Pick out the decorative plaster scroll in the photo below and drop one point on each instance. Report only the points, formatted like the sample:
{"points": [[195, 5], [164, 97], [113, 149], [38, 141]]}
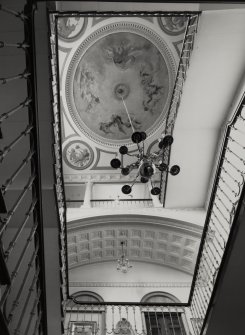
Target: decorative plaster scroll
{"points": [[130, 284]]}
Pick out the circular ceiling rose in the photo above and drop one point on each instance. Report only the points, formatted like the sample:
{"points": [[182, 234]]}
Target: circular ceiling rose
{"points": [[78, 155], [120, 62]]}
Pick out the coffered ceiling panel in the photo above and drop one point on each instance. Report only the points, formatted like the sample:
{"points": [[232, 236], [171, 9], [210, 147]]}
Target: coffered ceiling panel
{"points": [[173, 244]]}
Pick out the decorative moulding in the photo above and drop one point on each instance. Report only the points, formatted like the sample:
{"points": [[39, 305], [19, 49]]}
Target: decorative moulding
{"points": [[129, 284]]}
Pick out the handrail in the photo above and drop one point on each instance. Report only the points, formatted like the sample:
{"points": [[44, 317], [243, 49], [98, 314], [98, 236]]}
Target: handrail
{"points": [[57, 167]]}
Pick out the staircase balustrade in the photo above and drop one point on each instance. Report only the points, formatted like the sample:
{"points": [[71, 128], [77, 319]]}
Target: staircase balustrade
{"points": [[221, 217], [22, 274], [110, 318]]}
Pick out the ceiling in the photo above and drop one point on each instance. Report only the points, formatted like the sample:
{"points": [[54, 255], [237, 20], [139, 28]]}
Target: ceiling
{"points": [[104, 59], [107, 60], [165, 242], [95, 122]]}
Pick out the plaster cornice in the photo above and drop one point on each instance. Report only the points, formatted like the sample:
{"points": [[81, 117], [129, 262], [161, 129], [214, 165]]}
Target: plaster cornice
{"points": [[130, 284]]}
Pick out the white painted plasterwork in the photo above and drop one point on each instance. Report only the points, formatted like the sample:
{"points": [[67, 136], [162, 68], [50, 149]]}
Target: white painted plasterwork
{"points": [[130, 284]]}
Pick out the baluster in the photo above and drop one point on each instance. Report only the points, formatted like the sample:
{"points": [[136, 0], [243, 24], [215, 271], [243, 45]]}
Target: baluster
{"points": [[31, 289], [38, 322], [220, 223], [234, 141], [224, 205], [105, 328], [7, 149], [212, 244], [19, 15], [18, 264], [228, 186], [225, 195], [154, 308], [68, 329], [164, 321], [198, 313], [113, 328], [16, 301], [10, 180], [193, 320], [234, 167], [171, 320], [199, 306], [33, 312], [149, 320], [182, 330], [231, 177], [238, 157], [22, 45], [194, 313], [23, 75], [135, 325], [222, 247], [18, 201], [142, 321], [98, 327]]}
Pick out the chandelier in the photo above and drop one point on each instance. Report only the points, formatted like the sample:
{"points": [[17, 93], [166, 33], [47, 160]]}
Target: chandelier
{"points": [[123, 262], [146, 164]]}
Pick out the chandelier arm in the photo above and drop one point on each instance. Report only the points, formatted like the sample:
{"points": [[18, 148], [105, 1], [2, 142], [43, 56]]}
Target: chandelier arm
{"points": [[128, 115], [135, 179], [139, 148], [132, 155]]}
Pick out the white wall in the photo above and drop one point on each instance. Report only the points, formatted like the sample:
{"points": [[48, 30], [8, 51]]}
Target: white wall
{"points": [[102, 191], [113, 285], [217, 66]]}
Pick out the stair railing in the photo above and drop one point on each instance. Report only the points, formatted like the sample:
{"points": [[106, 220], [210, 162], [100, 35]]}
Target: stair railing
{"points": [[22, 271], [222, 213]]}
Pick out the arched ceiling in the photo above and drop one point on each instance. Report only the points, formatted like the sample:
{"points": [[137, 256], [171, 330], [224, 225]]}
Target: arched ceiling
{"points": [[153, 240]]}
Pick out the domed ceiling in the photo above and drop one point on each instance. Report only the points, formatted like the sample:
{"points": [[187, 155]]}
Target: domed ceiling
{"points": [[121, 66], [111, 67]]}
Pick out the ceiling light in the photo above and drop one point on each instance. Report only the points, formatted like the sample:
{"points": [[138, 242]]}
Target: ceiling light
{"points": [[123, 262], [146, 164]]}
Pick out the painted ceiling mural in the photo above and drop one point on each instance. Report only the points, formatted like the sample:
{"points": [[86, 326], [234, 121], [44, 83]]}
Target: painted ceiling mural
{"points": [[109, 67]]}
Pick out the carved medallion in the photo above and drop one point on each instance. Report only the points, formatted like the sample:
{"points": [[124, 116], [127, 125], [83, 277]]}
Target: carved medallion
{"points": [[78, 155], [173, 25], [69, 28]]}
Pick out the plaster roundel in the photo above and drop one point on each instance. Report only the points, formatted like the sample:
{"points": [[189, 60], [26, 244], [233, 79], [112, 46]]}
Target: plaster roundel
{"points": [[123, 61]]}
